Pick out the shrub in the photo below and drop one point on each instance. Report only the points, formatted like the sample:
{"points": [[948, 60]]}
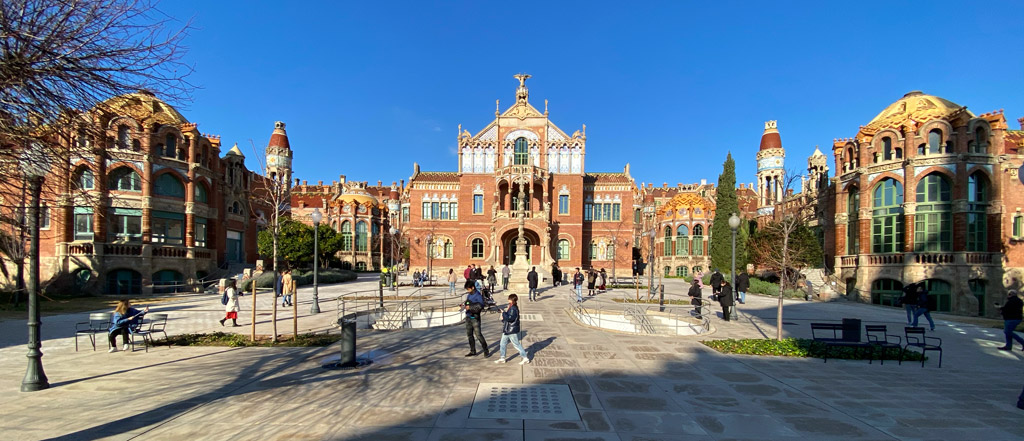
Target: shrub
{"points": [[239, 340], [799, 347], [303, 278], [758, 286]]}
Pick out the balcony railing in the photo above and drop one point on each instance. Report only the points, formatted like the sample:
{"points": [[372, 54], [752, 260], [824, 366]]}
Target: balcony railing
{"points": [[849, 260], [122, 250], [949, 258], [203, 254], [934, 258], [170, 252], [80, 249]]}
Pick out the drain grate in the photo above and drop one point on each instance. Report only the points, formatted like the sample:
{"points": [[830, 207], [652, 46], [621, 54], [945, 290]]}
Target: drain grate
{"points": [[531, 317], [524, 401]]}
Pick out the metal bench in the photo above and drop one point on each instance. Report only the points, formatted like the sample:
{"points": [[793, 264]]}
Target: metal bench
{"points": [[831, 335], [880, 339], [917, 339], [99, 323]]}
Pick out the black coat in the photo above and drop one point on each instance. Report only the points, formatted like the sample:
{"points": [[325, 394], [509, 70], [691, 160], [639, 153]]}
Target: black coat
{"points": [[1013, 309], [742, 282], [716, 280], [725, 297], [696, 293], [532, 278]]}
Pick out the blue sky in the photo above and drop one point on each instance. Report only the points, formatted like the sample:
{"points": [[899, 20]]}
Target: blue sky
{"points": [[368, 88]]}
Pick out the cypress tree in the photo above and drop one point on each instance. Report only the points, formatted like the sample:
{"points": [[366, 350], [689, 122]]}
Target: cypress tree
{"points": [[726, 204]]}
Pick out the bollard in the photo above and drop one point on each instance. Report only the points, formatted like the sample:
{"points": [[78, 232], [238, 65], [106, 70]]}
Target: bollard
{"points": [[348, 344], [661, 298]]}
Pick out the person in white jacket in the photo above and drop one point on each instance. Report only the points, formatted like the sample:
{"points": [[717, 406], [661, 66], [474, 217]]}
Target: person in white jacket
{"points": [[227, 286]]}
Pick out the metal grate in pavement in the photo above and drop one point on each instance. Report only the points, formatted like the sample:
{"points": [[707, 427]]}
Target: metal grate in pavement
{"points": [[531, 317], [524, 401]]}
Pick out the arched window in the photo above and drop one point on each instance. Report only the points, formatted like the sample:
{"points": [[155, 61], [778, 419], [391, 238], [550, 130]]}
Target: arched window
{"points": [[563, 249], [887, 217], [887, 149], [477, 247], [680, 271], [124, 140], [886, 291], [935, 141], [593, 250], [124, 281], [169, 185], [84, 179], [609, 252], [636, 216], [977, 287], [682, 240], [346, 236], [201, 195], [977, 207], [933, 229], [698, 240], [938, 295], [522, 152], [170, 146], [853, 221], [124, 179], [980, 144], [361, 242], [449, 249], [167, 281]]}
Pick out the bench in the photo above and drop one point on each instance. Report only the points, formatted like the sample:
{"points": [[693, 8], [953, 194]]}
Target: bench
{"points": [[917, 339], [831, 335]]}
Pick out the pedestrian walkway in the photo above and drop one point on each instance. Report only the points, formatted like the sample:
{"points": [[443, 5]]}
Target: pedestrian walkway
{"points": [[420, 387]]}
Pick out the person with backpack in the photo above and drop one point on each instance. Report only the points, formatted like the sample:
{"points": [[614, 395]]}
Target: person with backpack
{"points": [[1012, 312], [510, 329], [922, 306], [230, 301], [492, 278], [474, 306], [556, 274], [591, 281]]}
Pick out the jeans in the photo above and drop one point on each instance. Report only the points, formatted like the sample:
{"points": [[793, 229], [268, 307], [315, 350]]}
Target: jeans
{"points": [[451, 288], [473, 333], [910, 312], [922, 310], [1008, 327], [504, 283], [579, 293], [515, 342], [533, 293], [743, 296], [287, 299]]}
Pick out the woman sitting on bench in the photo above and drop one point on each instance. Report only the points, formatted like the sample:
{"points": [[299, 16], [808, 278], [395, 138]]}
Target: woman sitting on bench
{"points": [[125, 317]]}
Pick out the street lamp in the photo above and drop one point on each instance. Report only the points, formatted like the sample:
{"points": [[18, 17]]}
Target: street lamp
{"points": [[394, 276], [734, 223], [34, 165], [430, 252], [317, 217], [650, 259]]}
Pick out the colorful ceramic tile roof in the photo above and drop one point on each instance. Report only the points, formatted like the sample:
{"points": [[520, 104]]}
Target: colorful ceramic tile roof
{"points": [[688, 201], [917, 106]]}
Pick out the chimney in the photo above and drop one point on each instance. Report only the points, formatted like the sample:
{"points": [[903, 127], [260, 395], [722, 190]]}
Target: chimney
{"points": [[320, 183], [305, 182], [341, 179], [379, 183], [703, 182], [742, 186], [296, 182], [1021, 122]]}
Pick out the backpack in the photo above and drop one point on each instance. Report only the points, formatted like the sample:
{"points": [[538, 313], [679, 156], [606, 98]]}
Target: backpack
{"points": [[224, 298]]}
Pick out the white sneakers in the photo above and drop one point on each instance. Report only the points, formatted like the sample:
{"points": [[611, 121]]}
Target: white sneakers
{"points": [[112, 350], [499, 360], [502, 360], [525, 361], [125, 347]]}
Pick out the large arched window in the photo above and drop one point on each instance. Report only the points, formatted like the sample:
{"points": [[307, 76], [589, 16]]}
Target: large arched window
{"points": [[563, 249], [935, 141], [167, 281], [977, 206], [852, 221], [361, 239], [886, 291], [667, 246], [124, 281], [346, 236], [933, 229], [887, 217], [977, 287], [84, 179], [477, 248], [125, 179], [682, 240], [449, 249], [593, 251], [698, 240], [522, 152], [681, 271], [124, 140], [168, 185], [201, 195]]}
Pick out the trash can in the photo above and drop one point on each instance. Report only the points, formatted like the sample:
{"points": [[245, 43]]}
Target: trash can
{"points": [[851, 330]]}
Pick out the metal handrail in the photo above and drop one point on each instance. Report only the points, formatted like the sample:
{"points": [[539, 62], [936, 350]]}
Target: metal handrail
{"points": [[395, 311]]}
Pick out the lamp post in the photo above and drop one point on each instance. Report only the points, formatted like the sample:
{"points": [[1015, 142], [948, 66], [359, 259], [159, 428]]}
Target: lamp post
{"points": [[734, 223], [34, 164], [394, 275], [430, 253], [650, 273], [317, 217]]}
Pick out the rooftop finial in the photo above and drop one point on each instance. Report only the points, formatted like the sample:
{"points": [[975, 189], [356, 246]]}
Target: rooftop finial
{"points": [[522, 93], [771, 126]]}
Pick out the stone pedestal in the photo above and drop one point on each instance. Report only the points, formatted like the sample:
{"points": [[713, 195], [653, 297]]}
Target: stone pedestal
{"points": [[517, 282]]}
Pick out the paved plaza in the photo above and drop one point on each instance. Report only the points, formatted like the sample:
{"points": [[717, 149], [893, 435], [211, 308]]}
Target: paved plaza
{"points": [[421, 387]]}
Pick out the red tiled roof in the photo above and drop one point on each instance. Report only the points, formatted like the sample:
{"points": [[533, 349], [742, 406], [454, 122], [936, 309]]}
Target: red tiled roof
{"points": [[771, 141], [437, 177], [606, 178]]}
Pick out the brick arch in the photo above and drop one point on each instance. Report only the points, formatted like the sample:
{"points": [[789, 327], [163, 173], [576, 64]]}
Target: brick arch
{"points": [[474, 235], [885, 175], [126, 120], [945, 172], [569, 237], [945, 126], [876, 139], [120, 164], [184, 179], [974, 123], [994, 191]]}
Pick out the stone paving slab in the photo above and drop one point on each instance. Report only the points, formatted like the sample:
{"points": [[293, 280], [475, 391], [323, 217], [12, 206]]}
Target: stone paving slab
{"points": [[420, 386]]}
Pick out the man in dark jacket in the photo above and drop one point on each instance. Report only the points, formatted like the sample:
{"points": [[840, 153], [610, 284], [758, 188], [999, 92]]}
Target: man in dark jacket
{"points": [[716, 282], [556, 275], [695, 295], [1012, 311], [577, 285], [742, 285], [474, 306], [923, 306], [725, 299], [532, 278]]}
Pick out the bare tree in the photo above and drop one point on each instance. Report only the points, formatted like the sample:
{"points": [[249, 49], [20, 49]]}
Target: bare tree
{"points": [[788, 216], [270, 200]]}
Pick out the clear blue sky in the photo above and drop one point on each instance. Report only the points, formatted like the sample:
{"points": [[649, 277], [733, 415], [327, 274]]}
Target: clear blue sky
{"points": [[367, 88]]}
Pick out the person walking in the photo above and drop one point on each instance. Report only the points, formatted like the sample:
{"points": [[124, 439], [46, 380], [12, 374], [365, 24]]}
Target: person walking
{"points": [[478, 278], [591, 281], [1012, 313], [716, 281], [452, 278], [909, 301], [725, 299], [510, 329], [287, 287], [231, 307], [602, 280], [474, 306], [742, 285], [695, 294], [492, 278], [505, 274], [468, 272], [922, 306], [125, 317], [577, 285], [531, 277], [556, 274]]}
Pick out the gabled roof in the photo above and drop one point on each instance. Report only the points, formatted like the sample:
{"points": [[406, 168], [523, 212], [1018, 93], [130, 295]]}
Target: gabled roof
{"points": [[437, 177]]}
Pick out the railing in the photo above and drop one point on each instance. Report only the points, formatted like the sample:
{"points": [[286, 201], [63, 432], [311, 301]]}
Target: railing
{"points": [[934, 258], [170, 252], [643, 319], [849, 260], [122, 250], [885, 259], [79, 249], [979, 258], [399, 314], [203, 254]]}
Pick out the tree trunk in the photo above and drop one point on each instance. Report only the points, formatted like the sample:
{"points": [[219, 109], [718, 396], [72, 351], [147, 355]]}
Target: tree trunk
{"points": [[782, 286], [273, 283]]}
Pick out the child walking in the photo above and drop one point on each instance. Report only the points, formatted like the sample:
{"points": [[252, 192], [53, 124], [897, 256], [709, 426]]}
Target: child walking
{"points": [[510, 330]]}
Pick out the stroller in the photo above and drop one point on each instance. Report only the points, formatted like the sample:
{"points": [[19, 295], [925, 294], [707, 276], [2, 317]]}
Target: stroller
{"points": [[488, 299]]}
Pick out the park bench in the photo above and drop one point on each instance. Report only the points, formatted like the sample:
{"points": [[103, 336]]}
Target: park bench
{"points": [[99, 323], [832, 335], [880, 339], [917, 339]]}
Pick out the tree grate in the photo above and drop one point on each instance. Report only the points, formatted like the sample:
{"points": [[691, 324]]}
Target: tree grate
{"points": [[524, 401]]}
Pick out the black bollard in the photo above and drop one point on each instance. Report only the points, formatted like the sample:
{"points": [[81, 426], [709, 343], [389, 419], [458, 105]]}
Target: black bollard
{"points": [[661, 298], [348, 344]]}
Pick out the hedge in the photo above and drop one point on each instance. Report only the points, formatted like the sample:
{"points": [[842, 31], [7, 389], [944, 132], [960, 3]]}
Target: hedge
{"points": [[303, 278], [799, 347]]}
